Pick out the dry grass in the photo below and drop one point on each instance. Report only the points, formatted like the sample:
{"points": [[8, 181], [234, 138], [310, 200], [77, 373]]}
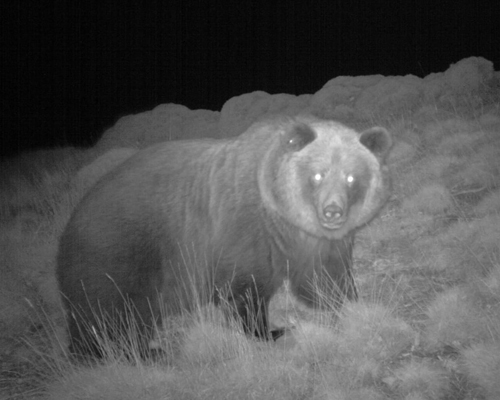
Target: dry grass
{"points": [[421, 378], [481, 363], [455, 320], [432, 199]]}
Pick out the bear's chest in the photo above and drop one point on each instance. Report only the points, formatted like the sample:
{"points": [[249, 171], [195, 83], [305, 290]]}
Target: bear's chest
{"points": [[305, 252]]}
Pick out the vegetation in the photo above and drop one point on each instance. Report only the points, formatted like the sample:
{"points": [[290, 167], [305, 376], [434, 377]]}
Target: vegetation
{"points": [[428, 271]]}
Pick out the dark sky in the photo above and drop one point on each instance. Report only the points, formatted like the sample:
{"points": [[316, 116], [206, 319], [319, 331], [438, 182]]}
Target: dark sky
{"points": [[71, 68]]}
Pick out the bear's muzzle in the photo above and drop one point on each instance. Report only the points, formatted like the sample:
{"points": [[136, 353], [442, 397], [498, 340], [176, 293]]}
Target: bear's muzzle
{"points": [[332, 216]]}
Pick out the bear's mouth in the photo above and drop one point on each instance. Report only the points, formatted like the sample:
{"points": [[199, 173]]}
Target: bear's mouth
{"points": [[332, 225]]}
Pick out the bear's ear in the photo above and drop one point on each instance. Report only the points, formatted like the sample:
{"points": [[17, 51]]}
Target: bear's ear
{"points": [[298, 136], [377, 140]]}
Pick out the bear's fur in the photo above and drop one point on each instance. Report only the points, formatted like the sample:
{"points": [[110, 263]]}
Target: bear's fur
{"points": [[190, 220]]}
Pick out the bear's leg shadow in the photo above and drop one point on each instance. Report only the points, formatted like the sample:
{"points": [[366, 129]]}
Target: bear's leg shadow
{"points": [[249, 306]]}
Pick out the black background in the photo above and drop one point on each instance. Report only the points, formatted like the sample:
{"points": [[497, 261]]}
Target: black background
{"points": [[71, 68]]}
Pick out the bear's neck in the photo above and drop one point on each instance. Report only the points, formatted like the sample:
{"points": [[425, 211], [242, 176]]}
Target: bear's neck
{"points": [[291, 239]]}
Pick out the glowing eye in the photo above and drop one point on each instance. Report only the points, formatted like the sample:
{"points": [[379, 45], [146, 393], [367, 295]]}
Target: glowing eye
{"points": [[318, 177], [350, 179]]}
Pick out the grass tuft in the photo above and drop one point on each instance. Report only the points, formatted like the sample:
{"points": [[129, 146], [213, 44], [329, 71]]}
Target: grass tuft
{"points": [[421, 378], [113, 381], [481, 364], [432, 199], [455, 320]]}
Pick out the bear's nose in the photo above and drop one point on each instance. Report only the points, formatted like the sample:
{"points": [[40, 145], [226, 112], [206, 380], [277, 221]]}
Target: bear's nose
{"points": [[332, 211]]}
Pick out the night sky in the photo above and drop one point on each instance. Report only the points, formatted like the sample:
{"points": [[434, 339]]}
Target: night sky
{"points": [[71, 68]]}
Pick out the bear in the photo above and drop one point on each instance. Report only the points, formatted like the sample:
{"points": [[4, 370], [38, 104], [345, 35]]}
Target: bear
{"points": [[191, 221]]}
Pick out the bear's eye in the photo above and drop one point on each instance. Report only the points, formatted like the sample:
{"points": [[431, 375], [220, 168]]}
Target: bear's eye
{"points": [[318, 177], [349, 179]]}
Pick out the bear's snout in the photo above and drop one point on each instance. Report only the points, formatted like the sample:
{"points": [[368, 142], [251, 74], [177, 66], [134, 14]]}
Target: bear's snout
{"points": [[332, 216]]}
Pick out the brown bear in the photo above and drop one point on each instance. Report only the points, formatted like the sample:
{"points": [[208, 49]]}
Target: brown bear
{"points": [[189, 221]]}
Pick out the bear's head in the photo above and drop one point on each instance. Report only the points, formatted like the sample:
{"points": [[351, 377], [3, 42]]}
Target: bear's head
{"points": [[323, 177]]}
